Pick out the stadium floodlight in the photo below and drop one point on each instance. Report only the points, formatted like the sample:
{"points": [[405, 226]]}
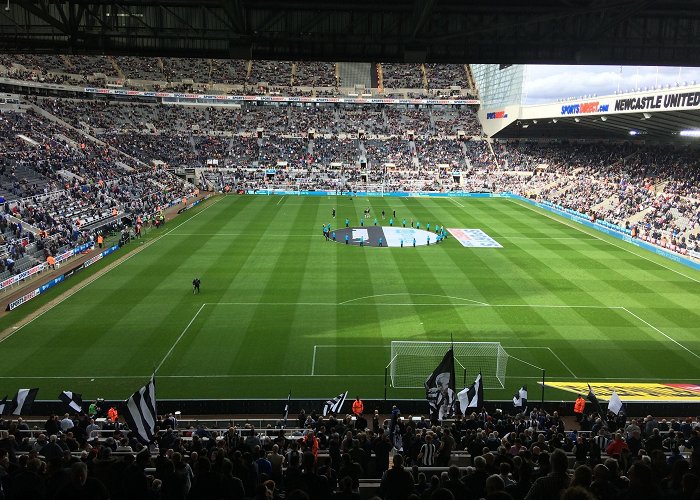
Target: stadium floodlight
{"points": [[690, 133], [7, 7], [633, 132], [534, 121], [604, 118], [646, 116], [577, 120], [555, 120]]}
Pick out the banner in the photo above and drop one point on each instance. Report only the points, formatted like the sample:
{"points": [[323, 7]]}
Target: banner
{"points": [[22, 276]]}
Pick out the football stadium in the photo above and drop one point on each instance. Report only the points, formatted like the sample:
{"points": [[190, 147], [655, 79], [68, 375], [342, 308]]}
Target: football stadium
{"points": [[316, 251]]}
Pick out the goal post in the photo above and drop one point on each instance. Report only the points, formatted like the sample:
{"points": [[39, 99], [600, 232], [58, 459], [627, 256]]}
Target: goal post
{"points": [[412, 362]]}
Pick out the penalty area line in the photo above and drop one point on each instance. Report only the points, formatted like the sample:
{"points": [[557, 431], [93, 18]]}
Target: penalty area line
{"points": [[179, 338], [662, 333]]}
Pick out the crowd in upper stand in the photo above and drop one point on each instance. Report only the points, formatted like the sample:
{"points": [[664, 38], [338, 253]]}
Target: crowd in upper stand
{"points": [[200, 75], [492, 456]]}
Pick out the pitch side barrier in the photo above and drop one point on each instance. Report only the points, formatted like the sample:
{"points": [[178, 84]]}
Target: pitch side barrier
{"points": [[59, 279], [600, 225]]}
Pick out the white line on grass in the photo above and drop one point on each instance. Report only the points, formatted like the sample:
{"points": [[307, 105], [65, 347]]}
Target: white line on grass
{"points": [[95, 277], [406, 304], [411, 295], [180, 337], [261, 375], [456, 202], [237, 375], [527, 363], [562, 363], [280, 200], [662, 333], [285, 235], [575, 226], [538, 367], [334, 346], [563, 238]]}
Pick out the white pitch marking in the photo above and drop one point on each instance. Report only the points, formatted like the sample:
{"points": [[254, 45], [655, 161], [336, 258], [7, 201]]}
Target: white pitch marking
{"points": [[562, 363], [180, 337], [567, 223], [313, 361], [456, 202], [280, 200], [662, 333], [411, 294], [94, 278], [563, 238], [259, 375], [404, 304]]}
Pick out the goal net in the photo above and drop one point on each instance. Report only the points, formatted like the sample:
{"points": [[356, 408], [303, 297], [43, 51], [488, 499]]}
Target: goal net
{"points": [[412, 362]]}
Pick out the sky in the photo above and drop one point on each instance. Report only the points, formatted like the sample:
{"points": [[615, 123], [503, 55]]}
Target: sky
{"points": [[549, 83]]}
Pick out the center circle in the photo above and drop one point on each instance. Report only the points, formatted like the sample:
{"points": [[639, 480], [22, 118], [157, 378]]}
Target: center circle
{"points": [[384, 236]]}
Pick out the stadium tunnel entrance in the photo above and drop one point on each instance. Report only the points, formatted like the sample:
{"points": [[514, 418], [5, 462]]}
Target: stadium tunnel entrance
{"points": [[384, 236]]}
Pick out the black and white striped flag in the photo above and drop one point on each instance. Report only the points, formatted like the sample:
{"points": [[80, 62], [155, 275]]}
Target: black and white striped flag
{"points": [[22, 402], [334, 405], [140, 412], [3, 404], [72, 400], [472, 396], [520, 399]]}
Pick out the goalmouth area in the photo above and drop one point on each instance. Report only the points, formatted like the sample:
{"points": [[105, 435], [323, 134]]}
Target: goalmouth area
{"points": [[283, 309]]}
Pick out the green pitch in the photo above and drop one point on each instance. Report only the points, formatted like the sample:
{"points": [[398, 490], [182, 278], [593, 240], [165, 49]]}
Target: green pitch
{"points": [[280, 308]]}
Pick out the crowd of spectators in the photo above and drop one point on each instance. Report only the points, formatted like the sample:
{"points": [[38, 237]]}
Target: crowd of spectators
{"points": [[529, 456], [402, 76]]}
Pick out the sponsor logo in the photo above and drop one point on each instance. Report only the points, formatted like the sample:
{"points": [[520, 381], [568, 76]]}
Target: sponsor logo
{"points": [[474, 238], [23, 299], [496, 115], [582, 108]]}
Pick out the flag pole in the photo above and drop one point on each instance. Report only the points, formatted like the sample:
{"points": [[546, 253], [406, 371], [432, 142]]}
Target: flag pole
{"points": [[543, 386]]}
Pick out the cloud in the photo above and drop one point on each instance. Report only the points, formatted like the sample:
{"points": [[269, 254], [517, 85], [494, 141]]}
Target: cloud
{"points": [[547, 83]]}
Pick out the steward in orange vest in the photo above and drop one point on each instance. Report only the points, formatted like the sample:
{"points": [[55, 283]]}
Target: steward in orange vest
{"points": [[358, 407], [579, 407]]}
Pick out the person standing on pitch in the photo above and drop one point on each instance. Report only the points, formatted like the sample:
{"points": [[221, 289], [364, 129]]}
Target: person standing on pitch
{"points": [[195, 285]]}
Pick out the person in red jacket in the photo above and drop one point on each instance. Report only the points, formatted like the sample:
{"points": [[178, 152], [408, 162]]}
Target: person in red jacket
{"points": [[616, 446], [579, 407], [358, 407]]}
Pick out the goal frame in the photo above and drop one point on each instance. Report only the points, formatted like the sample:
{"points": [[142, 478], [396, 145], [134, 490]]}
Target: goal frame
{"points": [[410, 359]]}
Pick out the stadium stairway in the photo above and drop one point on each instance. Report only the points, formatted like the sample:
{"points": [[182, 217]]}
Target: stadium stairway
{"points": [[353, 73]]}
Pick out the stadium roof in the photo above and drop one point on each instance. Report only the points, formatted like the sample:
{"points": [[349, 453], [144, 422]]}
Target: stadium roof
{"points": [[512, 31], [661, 126], [658, 115]]}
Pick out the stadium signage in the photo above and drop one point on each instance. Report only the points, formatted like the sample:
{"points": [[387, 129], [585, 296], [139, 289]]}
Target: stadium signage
{"points": [[23, 299], [496, 115], [665, 101], [22, 276], [266, 98], [582, 108]]}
